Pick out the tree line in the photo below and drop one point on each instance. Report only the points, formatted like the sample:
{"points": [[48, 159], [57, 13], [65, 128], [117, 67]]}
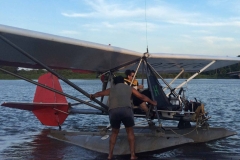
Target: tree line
{"points": [[220, 73]]}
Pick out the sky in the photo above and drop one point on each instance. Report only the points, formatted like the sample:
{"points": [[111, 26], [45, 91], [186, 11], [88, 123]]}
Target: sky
{"points": [[203, 27]]}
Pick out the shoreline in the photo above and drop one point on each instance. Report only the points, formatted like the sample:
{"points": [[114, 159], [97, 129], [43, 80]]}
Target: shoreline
{"points": [[94, 76]]}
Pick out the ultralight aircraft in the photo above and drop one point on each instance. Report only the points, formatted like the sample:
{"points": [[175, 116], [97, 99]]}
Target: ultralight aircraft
{"points": [[30, 49]]}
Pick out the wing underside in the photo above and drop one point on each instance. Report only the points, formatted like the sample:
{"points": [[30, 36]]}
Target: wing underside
{"points": [[65, 53]]}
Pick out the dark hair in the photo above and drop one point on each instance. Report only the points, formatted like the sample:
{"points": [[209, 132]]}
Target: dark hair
{"points": [[128, 72], [118, 79]]}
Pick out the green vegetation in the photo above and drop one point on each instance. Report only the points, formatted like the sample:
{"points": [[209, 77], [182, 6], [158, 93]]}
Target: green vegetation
{"points": [[220, 73], [35, 73]]}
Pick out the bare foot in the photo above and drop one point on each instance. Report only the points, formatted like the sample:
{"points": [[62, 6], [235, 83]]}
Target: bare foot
{"points": [[134, 157]]}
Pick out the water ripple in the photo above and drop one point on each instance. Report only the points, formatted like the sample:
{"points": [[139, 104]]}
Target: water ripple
{"points": [[22, 136]]}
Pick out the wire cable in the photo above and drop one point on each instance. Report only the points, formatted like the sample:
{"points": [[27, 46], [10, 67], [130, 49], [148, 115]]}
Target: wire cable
{"points": [[146, 24]]}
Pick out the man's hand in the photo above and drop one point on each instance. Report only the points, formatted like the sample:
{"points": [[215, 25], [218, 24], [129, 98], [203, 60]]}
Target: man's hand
{"points": [[140, 87], [154, 103], [91, 96]]}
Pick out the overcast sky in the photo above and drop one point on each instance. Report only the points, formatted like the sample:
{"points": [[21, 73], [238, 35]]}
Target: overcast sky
{"points": [[203, 27]]}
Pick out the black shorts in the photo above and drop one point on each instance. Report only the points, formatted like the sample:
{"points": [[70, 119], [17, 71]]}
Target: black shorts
{"points": [[137, 101], [121, 114]]}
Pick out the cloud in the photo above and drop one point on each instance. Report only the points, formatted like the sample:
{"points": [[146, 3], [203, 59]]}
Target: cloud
{"points": [[130, 25], [202, 31], [208, 24], [78, 15], [131, 14], [104, 9], [214, 39]]}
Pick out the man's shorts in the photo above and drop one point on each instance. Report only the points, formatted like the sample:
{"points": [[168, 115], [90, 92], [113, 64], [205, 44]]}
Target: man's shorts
{"points": [[121, 114]]}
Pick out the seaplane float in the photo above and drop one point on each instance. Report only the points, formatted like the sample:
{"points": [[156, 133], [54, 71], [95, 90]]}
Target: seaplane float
{"points": [[31, 49]]}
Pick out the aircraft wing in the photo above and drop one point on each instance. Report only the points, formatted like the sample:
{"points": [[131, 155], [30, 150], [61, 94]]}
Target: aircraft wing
{"points": [[190, 63], [59, 52], [66, 53]]}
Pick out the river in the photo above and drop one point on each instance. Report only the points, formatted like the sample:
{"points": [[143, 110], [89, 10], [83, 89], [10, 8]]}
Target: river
{"points": [[22, 136]]}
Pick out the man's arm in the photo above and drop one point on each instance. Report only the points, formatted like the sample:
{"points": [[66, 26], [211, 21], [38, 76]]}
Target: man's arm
{"points": [[99, 94], [143, 97]]}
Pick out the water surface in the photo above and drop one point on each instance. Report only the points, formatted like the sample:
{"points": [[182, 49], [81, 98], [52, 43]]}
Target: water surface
{"points": [[22, 136]]}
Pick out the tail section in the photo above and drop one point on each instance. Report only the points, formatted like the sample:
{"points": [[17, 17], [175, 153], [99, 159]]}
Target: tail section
{"points": [[50, 108], [54, 107]]}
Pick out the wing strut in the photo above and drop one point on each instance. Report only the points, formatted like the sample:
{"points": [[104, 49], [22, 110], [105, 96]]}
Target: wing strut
{"points": [[174, 79], [151, 90], [51, 71], [119, 67], [53, 90], [173, 91], [193, 76], [136, 71]]}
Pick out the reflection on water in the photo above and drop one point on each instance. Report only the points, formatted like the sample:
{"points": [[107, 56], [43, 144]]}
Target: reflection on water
{"points": [[22, 136]]}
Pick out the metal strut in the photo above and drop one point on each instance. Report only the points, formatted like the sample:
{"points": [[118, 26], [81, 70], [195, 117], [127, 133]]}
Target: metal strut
{"points": [[136, 71], [52, 71], [151, 90], [175, 94], [175, 78], [181, 99], [119, 67], [53, 90], [197, 73]]}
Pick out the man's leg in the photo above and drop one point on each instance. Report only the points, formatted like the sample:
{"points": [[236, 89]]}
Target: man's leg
{"points": [[144, 107], [131, 140], [112, 142]]}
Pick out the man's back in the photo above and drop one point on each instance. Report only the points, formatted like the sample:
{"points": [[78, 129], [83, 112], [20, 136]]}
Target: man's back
{"points": [[120, 96]]}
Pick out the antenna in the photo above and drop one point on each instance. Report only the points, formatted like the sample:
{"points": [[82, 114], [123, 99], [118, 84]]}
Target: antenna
{"points": [[146, 23]]}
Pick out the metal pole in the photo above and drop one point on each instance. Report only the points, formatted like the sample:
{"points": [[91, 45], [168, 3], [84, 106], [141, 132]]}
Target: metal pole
{"points": [[136, 71], [119, 67], [175, 94], [54, 90], [174, 79], [52, 71], [151, 90], [193, 76], [142, 74]]}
